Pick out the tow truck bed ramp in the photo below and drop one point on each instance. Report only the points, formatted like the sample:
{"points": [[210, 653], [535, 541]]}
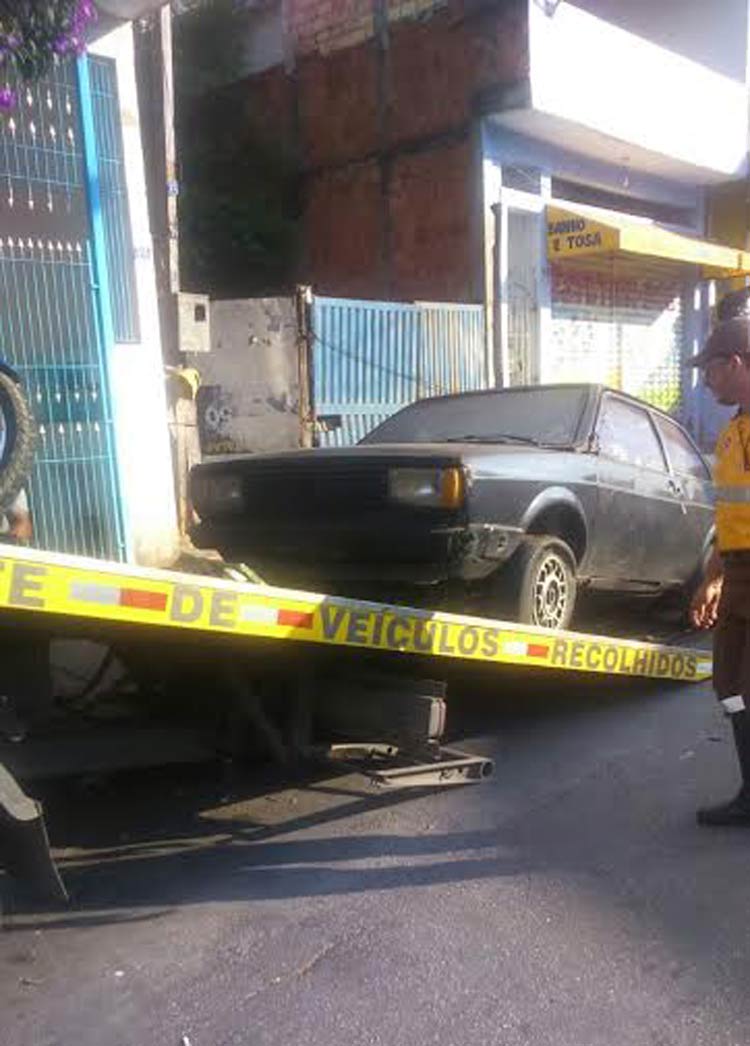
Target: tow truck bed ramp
{"points": [[57, 592], [45, 584]]}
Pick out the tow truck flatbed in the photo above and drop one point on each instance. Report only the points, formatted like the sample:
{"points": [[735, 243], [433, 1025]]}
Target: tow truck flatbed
{"points": [[53, 586], [391, 725]]}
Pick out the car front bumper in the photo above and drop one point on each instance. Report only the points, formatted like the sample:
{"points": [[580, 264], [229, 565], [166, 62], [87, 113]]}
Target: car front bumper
{"points": [[423, 555]]}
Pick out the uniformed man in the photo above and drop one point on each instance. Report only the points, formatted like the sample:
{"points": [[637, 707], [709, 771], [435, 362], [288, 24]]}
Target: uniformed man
{"points": [[723, 599]]}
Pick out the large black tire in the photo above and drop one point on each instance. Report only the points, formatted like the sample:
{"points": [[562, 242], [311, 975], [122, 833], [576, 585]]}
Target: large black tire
{"points": [[538, 586], [17, 440]]}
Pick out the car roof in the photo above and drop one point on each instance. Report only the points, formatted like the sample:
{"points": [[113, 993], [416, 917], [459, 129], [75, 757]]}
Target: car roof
{"points": [[593, 388]]}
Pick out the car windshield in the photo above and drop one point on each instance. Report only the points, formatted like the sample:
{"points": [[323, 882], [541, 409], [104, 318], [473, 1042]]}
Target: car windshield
{"points": [[547, 417]]}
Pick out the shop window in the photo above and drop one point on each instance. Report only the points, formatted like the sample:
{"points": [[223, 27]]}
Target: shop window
{"points": [[525, 179]]}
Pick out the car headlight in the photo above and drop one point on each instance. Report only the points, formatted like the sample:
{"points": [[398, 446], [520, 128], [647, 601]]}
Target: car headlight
{"points": [[438, 487], [216, 494]]}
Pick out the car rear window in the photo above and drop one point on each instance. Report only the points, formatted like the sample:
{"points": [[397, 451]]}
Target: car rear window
{"points": [[543, 415], [685, 459]]}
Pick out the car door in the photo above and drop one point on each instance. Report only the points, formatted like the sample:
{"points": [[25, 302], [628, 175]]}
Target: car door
{"points": [[692, 479], [637, 506]]}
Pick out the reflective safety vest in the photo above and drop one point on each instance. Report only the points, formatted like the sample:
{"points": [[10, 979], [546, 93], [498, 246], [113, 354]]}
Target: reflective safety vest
{"points": [[732, 485]]}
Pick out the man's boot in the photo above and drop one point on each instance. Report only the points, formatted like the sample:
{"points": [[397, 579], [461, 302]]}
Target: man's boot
{"points": [[737, 811]]}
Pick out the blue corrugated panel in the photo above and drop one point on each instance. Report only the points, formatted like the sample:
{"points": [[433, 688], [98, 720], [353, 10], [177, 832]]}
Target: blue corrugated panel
{"points": [[372, 358]]}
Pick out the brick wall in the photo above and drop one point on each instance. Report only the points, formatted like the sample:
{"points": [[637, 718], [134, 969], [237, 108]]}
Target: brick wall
{"points": [[429, 201], [325, 26], [344, 232], [338, 106], [430, 78], [422, 250], [382, 128], [408, 109]]}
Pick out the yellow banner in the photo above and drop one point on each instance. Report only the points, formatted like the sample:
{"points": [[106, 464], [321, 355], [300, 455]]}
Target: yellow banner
{"points": [[573, 234], [570, 235], [42, 583]]}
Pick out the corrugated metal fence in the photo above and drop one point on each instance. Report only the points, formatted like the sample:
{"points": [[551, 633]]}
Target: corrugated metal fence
{"points": [[369, 359]]}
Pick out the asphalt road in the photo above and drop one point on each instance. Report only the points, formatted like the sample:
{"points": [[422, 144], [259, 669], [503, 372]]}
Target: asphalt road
{"points": [[569, 901]]}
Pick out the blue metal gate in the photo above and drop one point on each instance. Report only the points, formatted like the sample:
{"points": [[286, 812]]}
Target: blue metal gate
{"points": [[370, 359], [51, 320]]}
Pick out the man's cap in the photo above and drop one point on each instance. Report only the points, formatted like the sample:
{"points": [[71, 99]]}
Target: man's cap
{"points": [[730, 338], [735, 303]]}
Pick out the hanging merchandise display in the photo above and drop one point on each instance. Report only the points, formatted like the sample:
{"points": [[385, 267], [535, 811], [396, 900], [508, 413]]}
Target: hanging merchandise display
{"points": [[624, 330]]}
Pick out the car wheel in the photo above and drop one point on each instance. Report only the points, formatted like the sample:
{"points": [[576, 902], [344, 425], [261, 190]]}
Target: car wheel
{"points": [[538, 586]]}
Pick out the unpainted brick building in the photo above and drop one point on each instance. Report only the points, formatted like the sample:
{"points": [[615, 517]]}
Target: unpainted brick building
{"points": [[378, 104]]}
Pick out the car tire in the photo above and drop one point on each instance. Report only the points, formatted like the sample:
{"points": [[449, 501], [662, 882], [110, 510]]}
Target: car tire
{"points": [[538, 586], [17, 442]]}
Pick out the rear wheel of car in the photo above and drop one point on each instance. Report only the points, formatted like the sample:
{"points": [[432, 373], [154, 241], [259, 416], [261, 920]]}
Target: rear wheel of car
{"points": [[538, 586]]}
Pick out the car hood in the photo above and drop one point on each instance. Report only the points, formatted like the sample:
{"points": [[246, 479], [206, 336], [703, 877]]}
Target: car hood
{"points": [[387, 453]]}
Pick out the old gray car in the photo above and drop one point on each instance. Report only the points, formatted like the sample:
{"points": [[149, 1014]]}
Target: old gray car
{"points": [[521, 496]]}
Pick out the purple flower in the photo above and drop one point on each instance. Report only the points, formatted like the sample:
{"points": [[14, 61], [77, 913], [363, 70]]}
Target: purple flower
{"points": [[8, 44], [73, 39], [8, 98], [31, 50], [84, 13]]}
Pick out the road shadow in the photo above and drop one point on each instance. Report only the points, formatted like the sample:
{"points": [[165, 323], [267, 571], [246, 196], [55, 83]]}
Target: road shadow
{"points": [[158, 839]]}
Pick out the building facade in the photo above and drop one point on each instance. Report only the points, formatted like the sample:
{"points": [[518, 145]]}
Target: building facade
{"points": [[433, 140]]}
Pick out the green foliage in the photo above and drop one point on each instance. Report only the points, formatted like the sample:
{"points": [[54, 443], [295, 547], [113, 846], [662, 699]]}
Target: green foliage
{"points": [[238, 180], [238, 217], [209, 45]]}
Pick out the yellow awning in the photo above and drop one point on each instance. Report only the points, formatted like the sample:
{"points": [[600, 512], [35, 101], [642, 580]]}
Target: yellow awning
{"points": [[581, 233]]}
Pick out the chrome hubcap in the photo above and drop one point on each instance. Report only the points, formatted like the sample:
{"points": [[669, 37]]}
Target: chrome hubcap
{"points": [[551, 593]]}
